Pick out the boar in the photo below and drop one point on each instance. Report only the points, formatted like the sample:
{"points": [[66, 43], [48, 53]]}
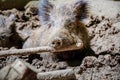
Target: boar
{"points": [[61, 28], [8, 35]]}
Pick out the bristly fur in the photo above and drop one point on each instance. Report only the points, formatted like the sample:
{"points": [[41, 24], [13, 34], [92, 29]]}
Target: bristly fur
{"points": [[44, 9], [48, 12], [82, 9]]}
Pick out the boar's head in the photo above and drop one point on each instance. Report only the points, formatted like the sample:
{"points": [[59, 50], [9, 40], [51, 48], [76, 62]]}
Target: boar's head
{"points": [[61, 27]]}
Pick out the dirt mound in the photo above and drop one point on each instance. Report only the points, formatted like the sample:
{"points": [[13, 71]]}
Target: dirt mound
{"points": [[104, 33]]}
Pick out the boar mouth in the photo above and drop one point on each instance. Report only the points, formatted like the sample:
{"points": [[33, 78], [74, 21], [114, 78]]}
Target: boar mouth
{"points": [[69, 48]]}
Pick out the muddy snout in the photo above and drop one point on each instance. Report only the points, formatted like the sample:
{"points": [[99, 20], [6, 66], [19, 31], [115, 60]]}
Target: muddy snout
{"points": [[57, 43], [66, 43]]}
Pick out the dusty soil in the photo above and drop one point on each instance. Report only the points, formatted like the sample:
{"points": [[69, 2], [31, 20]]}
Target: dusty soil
{"points": [[105, 42]]}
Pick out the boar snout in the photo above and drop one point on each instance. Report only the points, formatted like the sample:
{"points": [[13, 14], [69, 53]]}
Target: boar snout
{"points": [[67, 41], [56, 43]]}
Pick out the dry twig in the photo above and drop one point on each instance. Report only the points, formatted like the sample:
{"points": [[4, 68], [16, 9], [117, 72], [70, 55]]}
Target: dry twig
{"points": [[26, 51]]}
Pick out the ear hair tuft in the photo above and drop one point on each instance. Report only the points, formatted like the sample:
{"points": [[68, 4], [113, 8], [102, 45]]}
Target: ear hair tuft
{"points": [[81, 9], [44, 10]]}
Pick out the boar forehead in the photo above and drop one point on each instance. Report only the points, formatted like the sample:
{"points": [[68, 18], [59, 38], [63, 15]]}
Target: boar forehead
{"points": [[60, 14]]}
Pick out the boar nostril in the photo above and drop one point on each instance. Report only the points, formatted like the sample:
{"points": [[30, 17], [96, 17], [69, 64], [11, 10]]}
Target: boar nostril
{"points": [[56, 43]]}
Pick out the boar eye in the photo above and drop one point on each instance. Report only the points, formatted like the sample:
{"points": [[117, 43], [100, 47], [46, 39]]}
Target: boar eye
{"points": [[68, 23]]}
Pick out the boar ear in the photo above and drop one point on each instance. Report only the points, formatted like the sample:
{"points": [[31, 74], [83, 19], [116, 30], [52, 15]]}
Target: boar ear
{"points": [[44, 10], [81, 9]]}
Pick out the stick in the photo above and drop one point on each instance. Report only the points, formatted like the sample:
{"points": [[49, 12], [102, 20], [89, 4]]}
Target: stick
{"points": [[26, 51], [67, 74]]}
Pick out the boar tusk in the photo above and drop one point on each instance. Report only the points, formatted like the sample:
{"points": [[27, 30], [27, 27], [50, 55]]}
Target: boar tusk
{"points": [[69, 48]]}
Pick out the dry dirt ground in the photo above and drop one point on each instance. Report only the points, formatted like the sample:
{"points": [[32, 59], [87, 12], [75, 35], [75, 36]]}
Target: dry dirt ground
{"points": [[104, 30]]}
